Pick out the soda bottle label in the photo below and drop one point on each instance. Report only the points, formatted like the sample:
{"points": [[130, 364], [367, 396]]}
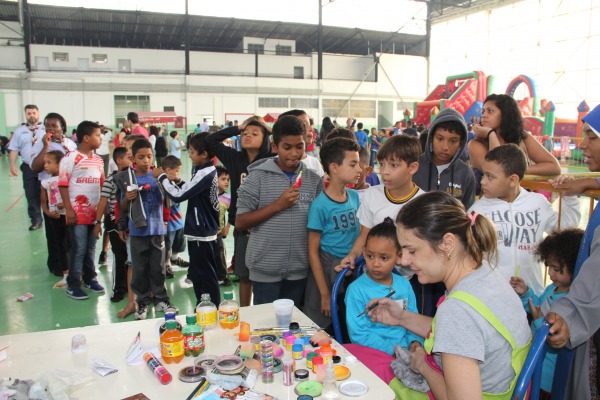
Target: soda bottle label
{"points": [[193, 342], [207, 318], [229, 317], [174, 349]]}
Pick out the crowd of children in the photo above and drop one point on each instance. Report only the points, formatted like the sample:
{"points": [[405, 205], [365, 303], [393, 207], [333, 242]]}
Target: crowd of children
{"points": [[298, 220]]}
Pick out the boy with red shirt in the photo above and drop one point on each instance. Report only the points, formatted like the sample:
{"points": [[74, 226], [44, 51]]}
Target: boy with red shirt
{"points": [[81, 176]]}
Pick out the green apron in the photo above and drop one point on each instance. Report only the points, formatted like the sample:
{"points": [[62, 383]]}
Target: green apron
{"points": [[517, 358]]}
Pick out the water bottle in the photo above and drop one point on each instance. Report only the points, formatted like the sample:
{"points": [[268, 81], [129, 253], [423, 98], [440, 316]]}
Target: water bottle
{"points": [[206, 313]]}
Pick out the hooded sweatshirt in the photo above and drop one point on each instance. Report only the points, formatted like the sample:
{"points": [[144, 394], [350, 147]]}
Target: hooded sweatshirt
{"points": [[457, 179], [520, 226], [277, 248], [236, 162]]}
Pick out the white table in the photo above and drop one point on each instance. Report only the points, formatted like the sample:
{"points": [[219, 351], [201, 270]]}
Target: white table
{"points": [[31, 353]]}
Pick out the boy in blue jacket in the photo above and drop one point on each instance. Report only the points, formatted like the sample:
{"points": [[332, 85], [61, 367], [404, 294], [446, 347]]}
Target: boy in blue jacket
{"points": [[201, 219]]}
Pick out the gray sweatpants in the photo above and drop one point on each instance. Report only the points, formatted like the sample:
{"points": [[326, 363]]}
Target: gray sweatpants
{"points": [[312, 296], [148, 269]]}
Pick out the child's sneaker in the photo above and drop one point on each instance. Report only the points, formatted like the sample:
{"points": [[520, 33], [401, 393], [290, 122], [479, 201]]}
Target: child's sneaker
{"points": [[94, 286], [117, 297], [62, 283], [76, 293], [180, 262], [166, 306], [140, 312], [103, 259]]}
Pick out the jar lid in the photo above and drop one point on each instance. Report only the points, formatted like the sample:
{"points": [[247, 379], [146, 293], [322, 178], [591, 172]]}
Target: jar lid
{"points": [[353, 388], [304, 397], [301, 374], [294, 326], [311, 388]]}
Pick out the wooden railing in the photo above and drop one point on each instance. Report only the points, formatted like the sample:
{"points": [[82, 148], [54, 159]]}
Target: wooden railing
{"points": [[540, 183]]}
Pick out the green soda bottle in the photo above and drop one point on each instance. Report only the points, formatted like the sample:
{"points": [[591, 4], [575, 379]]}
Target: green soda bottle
{"points": [[193, 337]]}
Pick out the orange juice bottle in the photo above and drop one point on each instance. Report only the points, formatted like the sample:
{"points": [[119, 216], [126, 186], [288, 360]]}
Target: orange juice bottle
{"points": [[171, 344], [229, 312]]}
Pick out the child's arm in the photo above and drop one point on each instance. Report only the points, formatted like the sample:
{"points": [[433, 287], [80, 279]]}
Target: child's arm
{"points": [[314, 244], [99, 214], [224, 153], [356, 251], [188, 189], [130, 195], [573, 186], [250, 219], [70, 215]]}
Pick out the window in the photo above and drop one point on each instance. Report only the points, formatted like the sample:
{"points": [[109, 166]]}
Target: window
{"points": [[273, 102], [126, 104], [99, 58], [169, 108], [298, 72], [255, 47], [60, 57], [354, 108], [304, 103], [283, 50]]}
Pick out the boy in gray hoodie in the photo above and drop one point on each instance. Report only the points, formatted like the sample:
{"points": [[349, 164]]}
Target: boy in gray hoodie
{"points": [[273, 203], [440, 166]]}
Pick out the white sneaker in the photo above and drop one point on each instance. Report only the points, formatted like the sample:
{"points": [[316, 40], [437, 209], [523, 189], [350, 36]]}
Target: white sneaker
{"points": [[62, 283], [166, 306]]}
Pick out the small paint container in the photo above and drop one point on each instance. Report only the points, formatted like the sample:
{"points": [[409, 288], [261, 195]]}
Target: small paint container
{"points": [[288, 371], [289, 342], [299, 342], [309, 359], [297, 352], [301, 375], [255, 340], [316, 361]]}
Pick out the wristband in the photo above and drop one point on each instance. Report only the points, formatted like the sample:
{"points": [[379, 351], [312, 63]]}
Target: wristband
{"points": [[489, 133], [96, 222]]}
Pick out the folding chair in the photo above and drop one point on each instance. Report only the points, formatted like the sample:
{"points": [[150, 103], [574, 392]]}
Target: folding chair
{"points": [[335, 319], [532, 368]]}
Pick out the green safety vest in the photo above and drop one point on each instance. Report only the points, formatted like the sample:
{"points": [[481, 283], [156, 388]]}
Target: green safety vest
{"points": [[518, 354]]}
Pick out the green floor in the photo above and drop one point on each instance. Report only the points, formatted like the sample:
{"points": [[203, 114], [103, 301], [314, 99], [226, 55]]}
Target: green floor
{"points": [[23, 270]]}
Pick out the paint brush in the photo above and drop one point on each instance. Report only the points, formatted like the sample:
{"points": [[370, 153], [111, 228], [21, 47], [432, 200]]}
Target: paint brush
{"points": [[390, 294]]}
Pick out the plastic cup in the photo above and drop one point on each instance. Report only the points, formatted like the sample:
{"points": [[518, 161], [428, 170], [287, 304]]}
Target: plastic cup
{"points": [[78, 344], [284, 309]]}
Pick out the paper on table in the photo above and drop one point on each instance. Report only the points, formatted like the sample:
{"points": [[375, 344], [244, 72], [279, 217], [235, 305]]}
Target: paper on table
{"points": [[135, 353], [103, 367], [3, 353]]}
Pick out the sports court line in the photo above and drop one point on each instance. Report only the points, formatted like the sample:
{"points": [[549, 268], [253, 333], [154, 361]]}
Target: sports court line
{"points": [[14, 203]]}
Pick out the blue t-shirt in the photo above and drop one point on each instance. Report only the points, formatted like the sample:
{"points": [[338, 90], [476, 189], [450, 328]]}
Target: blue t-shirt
{"points": [[375, 334], [337, 222], [374, 145], [174, 144], [361, 138], [544, 301], [153, 208]]}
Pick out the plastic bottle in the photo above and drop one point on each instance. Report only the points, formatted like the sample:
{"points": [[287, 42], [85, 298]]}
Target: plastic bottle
{"points": [[171, 344], [229, 312], [330, 390], [206, 313], [193, 337], [169, 316]]}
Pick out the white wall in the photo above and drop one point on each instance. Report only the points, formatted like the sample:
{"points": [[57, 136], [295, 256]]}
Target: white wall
{"points": [[555, 42]]}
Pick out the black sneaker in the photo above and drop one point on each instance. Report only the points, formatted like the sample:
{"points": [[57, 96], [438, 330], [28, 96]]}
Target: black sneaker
{"points": [[103, 259], [35, 227], [169, 272], [117, 297]]}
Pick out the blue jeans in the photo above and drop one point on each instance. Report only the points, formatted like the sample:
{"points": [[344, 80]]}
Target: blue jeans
{"points": [[268, 292], [373, 158], [81, 254]]}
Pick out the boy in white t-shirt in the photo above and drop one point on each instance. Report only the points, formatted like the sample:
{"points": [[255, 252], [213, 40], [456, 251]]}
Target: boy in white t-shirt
{"points": [[81, 175], [52, 206]]}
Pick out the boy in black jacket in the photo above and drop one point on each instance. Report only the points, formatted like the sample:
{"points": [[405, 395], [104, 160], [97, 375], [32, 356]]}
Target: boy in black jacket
{"points": [[201, 219]]}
